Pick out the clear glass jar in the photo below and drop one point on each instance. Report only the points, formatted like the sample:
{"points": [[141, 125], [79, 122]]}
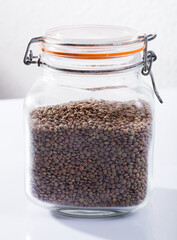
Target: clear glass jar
{"points": [[89, 123]]}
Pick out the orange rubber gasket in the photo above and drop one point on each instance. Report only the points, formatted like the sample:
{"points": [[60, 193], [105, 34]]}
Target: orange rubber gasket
{"points": [[93, 56]]}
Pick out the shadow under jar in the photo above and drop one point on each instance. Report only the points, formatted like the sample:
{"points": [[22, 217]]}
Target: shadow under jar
{"points": [[89, 122]]}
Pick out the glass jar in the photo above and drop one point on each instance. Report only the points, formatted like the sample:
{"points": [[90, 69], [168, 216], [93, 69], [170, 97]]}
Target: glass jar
{"points": [[90, 122]]}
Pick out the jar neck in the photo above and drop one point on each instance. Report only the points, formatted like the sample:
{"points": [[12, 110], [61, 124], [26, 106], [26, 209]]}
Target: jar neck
{"points": [[128, 78], [117, 64]]}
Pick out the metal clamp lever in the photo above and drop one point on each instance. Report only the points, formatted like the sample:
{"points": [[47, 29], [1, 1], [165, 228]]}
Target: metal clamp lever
{"points": [[148, 58], [155, 89]]}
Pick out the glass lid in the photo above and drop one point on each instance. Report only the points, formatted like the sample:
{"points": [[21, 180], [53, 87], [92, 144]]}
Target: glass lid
{"points": [[91, 42], [90, 35]]}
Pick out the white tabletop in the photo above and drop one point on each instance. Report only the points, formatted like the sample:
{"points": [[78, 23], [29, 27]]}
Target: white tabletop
{"points": [[21, 220]]}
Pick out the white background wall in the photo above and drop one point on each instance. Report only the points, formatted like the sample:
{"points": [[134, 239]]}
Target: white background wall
{"points": [[20, 20]]}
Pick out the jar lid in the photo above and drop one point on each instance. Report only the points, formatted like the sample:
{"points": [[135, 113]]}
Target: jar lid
{"points": [[92, 42]]}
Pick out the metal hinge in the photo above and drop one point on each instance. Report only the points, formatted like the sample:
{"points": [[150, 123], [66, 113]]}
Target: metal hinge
{"points": [[29, 58]]}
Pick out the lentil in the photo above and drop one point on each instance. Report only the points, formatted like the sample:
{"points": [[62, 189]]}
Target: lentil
{"points": [[90, 153]]}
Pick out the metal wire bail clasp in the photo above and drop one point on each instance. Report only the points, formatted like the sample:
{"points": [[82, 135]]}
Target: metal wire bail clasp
{"points": [[148, 58], [29, 58]]}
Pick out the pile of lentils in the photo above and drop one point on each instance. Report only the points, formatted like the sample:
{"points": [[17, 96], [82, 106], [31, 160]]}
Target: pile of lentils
{"points": [[90, 153]]}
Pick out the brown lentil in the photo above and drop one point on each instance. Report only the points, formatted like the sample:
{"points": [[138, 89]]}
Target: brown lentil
{"points": [[90, 153]]}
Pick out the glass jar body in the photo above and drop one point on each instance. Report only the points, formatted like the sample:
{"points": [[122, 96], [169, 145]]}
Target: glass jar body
{"points": [[89, 142]]}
